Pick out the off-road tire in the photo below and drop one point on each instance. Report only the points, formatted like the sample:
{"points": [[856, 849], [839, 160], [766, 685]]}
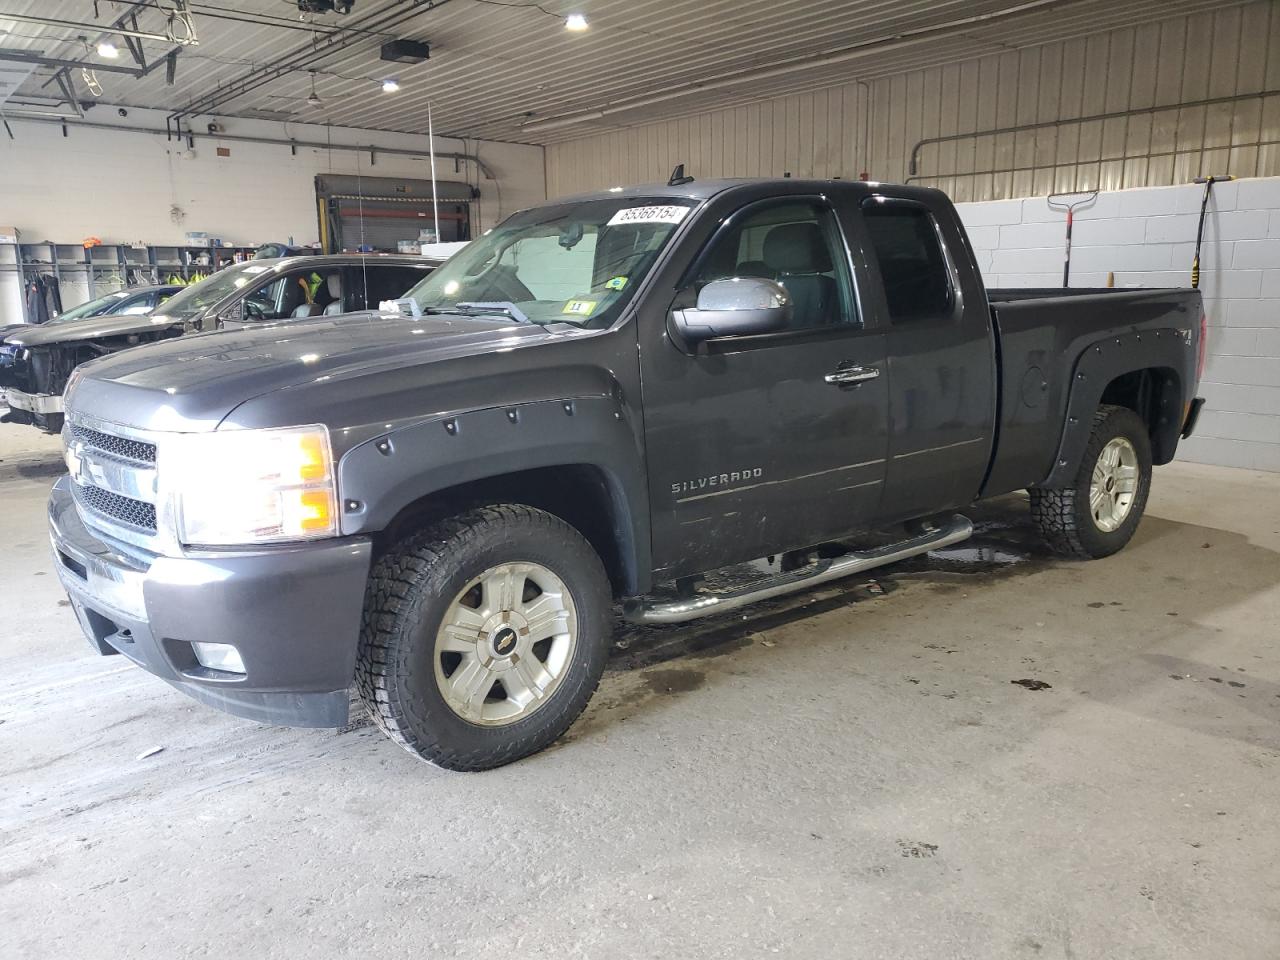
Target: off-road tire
{"points": [[410, 588], [1063, 516]]}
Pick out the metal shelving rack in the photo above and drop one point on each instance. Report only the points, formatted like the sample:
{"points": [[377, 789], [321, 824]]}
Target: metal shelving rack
{"points": [[109, 267]]}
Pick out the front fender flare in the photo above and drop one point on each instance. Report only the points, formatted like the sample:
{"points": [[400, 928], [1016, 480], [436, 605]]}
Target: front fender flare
{"points": [[380, 477]]}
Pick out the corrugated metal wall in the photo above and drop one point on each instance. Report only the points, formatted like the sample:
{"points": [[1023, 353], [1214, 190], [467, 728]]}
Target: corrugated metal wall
{"points": [[845, 130]]}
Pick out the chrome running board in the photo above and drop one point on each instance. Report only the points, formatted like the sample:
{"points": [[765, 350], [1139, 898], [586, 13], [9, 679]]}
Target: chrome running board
{"points": [[704, 604]]}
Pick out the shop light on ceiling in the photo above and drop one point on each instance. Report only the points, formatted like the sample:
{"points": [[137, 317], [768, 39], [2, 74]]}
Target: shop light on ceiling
{"points": [[575, 23], [108, 50], [390, 85]]}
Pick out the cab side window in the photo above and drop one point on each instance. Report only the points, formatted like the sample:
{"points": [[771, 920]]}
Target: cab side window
{"points": [[302, 293], [264, 302], [913, 268], [795, 243]]}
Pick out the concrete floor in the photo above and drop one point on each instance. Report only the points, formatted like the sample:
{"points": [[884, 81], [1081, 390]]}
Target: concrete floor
{"points": [[847, 775]]}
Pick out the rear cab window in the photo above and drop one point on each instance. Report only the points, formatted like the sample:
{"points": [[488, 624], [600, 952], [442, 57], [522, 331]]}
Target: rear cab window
{"points": [[913, 266]]}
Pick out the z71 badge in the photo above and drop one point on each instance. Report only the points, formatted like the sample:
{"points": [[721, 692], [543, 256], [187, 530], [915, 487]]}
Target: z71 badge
{"points": [[709, 486]]}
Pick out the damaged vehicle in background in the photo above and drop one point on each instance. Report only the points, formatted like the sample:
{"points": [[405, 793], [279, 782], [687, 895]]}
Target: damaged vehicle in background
{"points": [[43, 357], [131, 301]]}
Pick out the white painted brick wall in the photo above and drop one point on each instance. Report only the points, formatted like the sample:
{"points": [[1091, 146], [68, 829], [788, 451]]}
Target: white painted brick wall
{"points": [[1146, 237]]}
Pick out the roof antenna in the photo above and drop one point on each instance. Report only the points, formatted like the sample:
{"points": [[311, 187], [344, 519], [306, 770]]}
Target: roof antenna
{"points": [[678, 178]]}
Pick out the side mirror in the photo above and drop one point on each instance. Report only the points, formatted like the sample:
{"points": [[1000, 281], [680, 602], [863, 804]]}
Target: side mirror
{"points": [[736, 307]]}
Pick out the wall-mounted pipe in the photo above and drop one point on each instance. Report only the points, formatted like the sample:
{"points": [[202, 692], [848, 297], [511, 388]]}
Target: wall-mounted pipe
{"points": [[71, 121], [913, 167], [1093, 161], [865, 172]]}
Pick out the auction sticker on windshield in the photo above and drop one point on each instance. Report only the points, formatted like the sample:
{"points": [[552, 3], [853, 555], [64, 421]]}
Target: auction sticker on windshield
{"points": [[580, 308], [655, 214]]}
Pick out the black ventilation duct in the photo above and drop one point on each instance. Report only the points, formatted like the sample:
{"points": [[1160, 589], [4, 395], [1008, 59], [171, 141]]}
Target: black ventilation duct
{"points": [[405, 51]]}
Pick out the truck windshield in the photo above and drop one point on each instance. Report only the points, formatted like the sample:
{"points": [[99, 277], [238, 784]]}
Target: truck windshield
{"points": [[573, 263], [201, 296]]}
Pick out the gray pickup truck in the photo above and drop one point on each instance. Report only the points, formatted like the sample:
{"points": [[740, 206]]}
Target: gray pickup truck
{"points": [[41, 358], [600, 400]]}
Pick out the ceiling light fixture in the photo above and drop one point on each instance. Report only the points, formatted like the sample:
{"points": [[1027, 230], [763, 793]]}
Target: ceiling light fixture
{"points": [[575, 23], [390, 85], [108, 50], [314, 100]]}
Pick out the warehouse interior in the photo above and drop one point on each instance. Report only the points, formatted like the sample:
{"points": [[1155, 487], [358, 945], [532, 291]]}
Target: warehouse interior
{"points": [[969, 747]]}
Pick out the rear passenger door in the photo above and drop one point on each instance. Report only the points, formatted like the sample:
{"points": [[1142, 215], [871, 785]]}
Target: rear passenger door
{"points": [[941, 357]]}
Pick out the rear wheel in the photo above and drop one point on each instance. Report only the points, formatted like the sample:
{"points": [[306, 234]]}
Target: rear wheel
{"points": [[1098, 514], [484, 636]]}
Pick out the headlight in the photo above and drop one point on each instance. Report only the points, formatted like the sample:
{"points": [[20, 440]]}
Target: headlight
{"points": [[252, 486], [72, 382]]}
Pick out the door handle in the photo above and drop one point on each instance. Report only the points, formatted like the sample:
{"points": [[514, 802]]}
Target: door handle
{"points": [[852, 374]]}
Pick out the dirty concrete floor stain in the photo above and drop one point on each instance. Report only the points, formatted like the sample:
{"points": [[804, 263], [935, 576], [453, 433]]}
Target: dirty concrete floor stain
{"points": [[751, 786]]}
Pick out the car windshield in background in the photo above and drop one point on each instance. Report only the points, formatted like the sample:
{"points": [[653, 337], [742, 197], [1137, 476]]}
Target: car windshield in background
{"points": [[92, 308], [198, 297], [573, 263]]}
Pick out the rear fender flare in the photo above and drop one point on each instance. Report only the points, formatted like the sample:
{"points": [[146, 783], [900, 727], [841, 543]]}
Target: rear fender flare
{"points": [[1102, 362]]}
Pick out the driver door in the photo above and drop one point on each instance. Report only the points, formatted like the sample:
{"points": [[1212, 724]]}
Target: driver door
{"points": [[755, 444]]}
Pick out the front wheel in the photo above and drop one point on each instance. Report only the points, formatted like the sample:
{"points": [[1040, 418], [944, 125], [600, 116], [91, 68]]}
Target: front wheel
{"points": [[484, 636], [1098, 514]]}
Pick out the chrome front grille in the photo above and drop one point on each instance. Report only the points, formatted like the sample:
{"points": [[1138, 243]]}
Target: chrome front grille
{"points": [[114, 480], [133, 513], [136, 450]]}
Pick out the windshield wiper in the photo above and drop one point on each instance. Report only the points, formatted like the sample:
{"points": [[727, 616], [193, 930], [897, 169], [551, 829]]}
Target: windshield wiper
{"points": [[493, 306]]}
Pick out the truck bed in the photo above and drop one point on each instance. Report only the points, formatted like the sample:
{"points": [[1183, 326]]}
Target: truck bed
{"points": [[1042, 333]]}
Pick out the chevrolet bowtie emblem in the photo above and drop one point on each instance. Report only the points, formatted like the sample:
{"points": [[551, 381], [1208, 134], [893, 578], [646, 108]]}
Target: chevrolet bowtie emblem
{"points": [[73, 460]]}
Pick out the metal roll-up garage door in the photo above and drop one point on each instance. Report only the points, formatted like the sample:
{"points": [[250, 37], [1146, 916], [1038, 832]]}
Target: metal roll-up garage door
{"points": [[378, 212]]}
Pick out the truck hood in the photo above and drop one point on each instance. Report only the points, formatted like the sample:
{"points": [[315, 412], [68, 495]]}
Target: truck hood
{"points": [[191, 383], [91, 328]]}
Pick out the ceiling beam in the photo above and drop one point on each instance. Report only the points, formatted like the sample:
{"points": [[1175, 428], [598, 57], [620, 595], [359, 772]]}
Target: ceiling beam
{"points": [[69, 93], [302, 57], [65, 64], [114, 29]]}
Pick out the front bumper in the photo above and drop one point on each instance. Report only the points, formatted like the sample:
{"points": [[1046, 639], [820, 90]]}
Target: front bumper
{"points": [[43, 403], [292, 613]]}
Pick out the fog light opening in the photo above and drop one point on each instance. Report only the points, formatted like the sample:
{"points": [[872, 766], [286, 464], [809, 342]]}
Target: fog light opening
{"points": [[218, 656]]}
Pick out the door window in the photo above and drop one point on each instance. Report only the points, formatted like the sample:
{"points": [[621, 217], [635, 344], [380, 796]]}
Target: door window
{"points": [[913, 267], [386, 283], [302, 293], [796, 243], [138, 305]]}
